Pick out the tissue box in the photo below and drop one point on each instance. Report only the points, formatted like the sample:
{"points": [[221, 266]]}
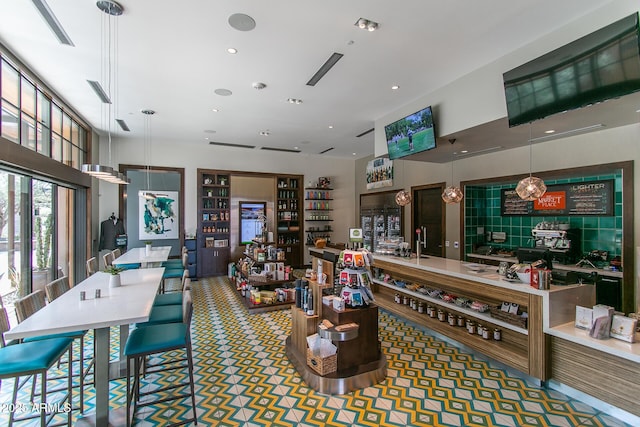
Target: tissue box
{"points": [[322, 365], [624, 328], [328, 300], [584, 317]]}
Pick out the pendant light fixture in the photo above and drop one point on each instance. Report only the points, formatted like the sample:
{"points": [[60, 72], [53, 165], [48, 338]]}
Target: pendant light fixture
{"points": [[147, 193], [102, 172], [531, 187], [452, 194], [403, 198]]}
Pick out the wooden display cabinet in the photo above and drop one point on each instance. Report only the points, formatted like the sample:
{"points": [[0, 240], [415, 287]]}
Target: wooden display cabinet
{"points": [[288, 212], [317, 206], [214, 222]]}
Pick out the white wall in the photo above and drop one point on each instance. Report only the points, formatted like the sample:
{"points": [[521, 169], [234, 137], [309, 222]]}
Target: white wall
{"points": [[191, 157], [478, 97]]}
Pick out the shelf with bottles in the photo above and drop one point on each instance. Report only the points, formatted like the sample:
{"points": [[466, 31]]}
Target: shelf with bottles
{"points": [[288, 239], [317, 194], [215, 180]]}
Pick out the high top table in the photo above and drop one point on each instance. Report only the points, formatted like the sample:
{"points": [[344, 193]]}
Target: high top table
{"points": [[122, 306], [152, 258]]}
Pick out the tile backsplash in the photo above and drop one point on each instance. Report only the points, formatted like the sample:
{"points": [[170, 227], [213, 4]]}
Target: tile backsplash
{"points": [[482, 213]]}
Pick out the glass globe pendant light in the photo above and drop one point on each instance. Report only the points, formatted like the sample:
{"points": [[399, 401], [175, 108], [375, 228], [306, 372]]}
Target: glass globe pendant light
{"points": [[531, 187], [452, 194], [403, 198]]}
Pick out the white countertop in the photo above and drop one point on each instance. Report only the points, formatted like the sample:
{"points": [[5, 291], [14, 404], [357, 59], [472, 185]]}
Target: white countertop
{"points": [[157, 254], [129, 303], [615, 347], [456, 268]]}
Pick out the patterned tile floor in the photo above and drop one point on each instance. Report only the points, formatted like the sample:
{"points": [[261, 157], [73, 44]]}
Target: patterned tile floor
{"points": [[243, 378]]}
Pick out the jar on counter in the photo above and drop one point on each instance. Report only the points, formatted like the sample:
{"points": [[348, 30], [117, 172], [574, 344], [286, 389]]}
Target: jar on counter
{"points": [[441, 316], [433, 312], [420, 307], [452, 319], [485, 333], [471, 328], [479, 329], [497, 334], [396, 298], [460, 321], [429, 310], [405, 300]]}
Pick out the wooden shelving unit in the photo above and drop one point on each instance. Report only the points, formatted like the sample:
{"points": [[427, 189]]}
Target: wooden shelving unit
{"points": [[289, 219], [522, 348], [214, 222], [318, 207]]}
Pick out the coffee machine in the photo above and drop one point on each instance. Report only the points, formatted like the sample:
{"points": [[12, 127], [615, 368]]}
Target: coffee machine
{"points": [[564, 245]]}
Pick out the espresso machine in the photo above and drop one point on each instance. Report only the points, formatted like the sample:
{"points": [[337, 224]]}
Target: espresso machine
{"points": [[564, 245]]}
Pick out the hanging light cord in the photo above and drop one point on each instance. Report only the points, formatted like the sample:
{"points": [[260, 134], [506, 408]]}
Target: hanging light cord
{"points": [[530, 154]]}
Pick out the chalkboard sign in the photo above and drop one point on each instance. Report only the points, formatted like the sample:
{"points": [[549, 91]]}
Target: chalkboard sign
{"points": [[593, 198]]}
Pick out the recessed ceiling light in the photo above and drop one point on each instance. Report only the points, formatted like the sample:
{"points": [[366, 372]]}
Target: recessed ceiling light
{"points": [[223, 92], [464, 151], [549, 131], [296, 148], [294, 101], [215, 110], [395, 87], [330, 126], [353, 154], [232, 50], [258, 85], [265, 133], [209, 131]]}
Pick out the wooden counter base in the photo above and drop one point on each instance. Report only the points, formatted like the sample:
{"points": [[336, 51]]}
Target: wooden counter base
{"points": [[339, 382], [606, 377], [525, 351]]}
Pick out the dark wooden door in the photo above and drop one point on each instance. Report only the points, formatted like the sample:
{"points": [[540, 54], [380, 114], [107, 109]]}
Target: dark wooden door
{"points": [[428, 212]]}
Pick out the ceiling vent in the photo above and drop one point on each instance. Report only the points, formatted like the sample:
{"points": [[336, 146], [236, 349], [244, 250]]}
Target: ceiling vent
{"points": [[326, 151], [224, 144], [97, 88], [335, 57], [286, 150], [366, 132]]}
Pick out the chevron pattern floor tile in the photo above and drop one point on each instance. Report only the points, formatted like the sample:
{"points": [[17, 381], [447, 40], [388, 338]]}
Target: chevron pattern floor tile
{"points": [[244, 379]]}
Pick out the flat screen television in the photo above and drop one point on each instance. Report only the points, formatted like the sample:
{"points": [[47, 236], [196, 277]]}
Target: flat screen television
{"points": [[599, 66], [410, 135]]}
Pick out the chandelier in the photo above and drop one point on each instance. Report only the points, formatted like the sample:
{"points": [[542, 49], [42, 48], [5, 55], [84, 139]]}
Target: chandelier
{"points": [[452, 194], [531, 187], [403, 198]]}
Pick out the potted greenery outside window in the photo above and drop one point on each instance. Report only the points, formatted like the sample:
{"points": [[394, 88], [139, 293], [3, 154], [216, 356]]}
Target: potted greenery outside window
{"points": [[43, 232], [114, 280]]}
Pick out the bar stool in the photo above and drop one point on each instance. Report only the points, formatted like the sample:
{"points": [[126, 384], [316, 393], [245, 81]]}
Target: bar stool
{"points": [[107, 259], [174, 273], [166, 313], [176, 263], [27, 306], [157, 339], [174, 298], [33, 358]]}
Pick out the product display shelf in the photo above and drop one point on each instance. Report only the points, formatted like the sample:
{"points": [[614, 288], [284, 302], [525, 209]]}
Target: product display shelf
{"points": [[360, 363], [214, 222], [317, 205], [521, 348], [289, 218], [476, 315], [262, 285]]}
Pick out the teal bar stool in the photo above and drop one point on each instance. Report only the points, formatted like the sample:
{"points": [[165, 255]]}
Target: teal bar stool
{"points": [[160, 339], [33, 358], [174, 298], [176, 263], [28, 305], [166, 313]]}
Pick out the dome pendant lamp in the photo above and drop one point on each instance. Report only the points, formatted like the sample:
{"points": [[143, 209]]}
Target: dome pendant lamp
{"points": [[531, 187], [452, 194]]}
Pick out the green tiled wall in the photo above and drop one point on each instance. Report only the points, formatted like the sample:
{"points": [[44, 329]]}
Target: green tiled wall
{"points": [[482, 209]]}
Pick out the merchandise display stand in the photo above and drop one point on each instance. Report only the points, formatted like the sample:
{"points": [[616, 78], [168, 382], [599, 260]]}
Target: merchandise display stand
{"points": [[360, 363]]}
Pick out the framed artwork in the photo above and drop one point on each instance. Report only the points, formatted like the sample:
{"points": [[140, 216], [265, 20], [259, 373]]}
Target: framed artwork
{"points": [[158, 216]]}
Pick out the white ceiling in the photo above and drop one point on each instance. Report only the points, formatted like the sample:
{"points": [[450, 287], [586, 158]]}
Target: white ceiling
{"points": [[173, 55]]}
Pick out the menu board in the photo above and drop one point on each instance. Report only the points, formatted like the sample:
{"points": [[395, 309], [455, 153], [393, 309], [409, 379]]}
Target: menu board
{"points": [[593, 198]]}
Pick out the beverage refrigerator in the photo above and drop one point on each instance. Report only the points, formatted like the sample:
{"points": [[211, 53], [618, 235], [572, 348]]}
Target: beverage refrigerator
{"points": [[380, 225]]}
